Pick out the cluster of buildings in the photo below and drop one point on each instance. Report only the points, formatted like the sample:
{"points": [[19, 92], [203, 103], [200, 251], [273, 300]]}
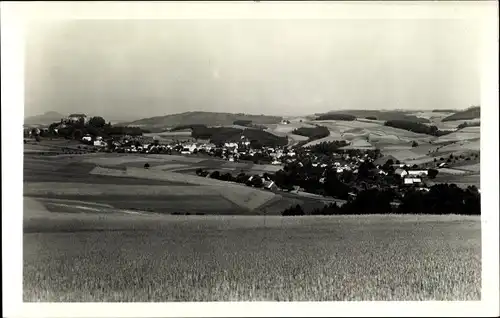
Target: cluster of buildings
{"points": [[230, 151]]}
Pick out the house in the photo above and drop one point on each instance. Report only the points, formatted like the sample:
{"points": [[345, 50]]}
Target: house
{"points": [[78, 117], [270, 185], [401, 172], [99, 143], [417, 173], [412, 180], [382, 172]]}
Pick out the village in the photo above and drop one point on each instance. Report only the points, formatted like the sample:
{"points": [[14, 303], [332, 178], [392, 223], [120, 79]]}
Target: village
{"points": [[298, 169]]}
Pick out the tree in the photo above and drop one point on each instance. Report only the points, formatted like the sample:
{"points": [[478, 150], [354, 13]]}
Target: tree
{"points": [[215, 175], [97, 122], [432, 173], [257, 182], [388, 165], [414, 144], [292, 211], [146, 165]]}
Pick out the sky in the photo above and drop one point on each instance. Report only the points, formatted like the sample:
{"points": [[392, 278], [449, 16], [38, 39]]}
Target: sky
{"points": [[130, 69]]}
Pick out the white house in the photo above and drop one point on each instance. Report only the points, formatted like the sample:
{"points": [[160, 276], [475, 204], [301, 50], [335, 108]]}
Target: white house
{"points": [[417, 172], [190, 147], [270, 185], [99, 143], [412, 180], [401, 172]]}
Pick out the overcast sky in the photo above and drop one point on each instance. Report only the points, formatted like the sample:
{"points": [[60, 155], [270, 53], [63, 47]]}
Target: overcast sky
{"points": [[142, 68]]}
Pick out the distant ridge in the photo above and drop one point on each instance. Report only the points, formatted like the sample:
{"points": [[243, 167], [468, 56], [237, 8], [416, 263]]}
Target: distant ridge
{"points": [[470, 113], [44, 119], [382, 114], [199, 117]]}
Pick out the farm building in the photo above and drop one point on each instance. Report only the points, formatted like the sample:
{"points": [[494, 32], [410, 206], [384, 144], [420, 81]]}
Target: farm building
{"points": [[401, 172], [270, 185], [77, 117], [412, 180], [417, 173]]}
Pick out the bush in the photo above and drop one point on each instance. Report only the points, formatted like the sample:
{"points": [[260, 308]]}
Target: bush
{"points": [[414, 144], [242, 122], [432, 173], [293, 211], [371, 117], [329, 209], [146, 165], [97, 122], [215, 175]]}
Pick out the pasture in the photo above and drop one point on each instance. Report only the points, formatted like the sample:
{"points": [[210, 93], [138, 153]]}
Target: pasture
{"points": [[135, 258]]}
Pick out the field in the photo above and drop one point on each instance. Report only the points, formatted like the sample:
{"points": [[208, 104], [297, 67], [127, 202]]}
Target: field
{"points": [[100, 228], [169, 186], [236, 258]]}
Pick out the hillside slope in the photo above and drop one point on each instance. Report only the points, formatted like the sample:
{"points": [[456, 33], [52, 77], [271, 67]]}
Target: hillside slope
{"points": [[470, 113], [205, 118], [43, 119]]}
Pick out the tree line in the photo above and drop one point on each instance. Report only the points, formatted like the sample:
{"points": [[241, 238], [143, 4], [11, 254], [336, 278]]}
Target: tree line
{"points": [[440, 199], [312, 133], [345, 117], [417, 127]]}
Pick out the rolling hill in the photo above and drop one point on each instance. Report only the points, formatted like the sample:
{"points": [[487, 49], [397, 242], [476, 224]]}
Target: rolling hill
{"points": [[43, 119], [198, 117], [382, 115], [469, 113]]}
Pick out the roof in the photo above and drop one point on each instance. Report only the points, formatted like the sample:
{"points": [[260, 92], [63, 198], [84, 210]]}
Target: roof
{"points": [[400, 171]]}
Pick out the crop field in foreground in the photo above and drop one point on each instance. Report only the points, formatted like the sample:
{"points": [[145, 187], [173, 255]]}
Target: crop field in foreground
{"points": [[254, 258]]}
